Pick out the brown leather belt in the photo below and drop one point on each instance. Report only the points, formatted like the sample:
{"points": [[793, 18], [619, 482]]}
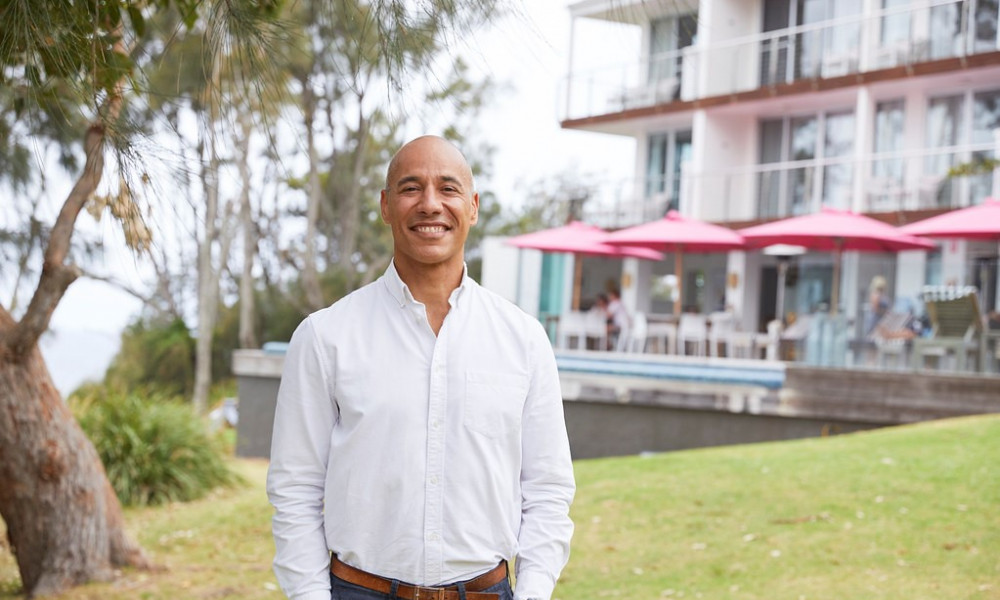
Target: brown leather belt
{"points": [[473, 588]]}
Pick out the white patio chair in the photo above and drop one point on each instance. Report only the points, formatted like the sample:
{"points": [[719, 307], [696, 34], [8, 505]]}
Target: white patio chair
{"points": [[663, 334], [772, 340], [637, 337], [721, 325], [595, 327], [692, 329], [571, 325]]}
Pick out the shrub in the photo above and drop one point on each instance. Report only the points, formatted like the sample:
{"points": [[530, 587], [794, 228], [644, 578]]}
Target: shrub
{"points": [[154, 450]]}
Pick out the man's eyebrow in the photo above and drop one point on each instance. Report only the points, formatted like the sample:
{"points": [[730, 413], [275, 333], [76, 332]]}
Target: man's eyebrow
{"points": [[443, 179], [408, 179]]}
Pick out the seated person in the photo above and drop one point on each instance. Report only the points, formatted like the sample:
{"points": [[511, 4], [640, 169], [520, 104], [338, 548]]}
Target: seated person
{"points": [[618, 317]]}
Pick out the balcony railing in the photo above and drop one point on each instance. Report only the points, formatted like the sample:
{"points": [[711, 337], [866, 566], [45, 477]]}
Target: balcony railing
{"points": [[884, 39], [884, 182]]}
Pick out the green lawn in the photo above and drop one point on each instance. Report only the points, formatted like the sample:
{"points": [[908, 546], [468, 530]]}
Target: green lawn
{"points": [[904, 513]]}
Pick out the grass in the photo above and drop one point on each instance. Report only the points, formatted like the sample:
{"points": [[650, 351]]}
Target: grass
{"points": [[901, 513], [217, 547], [908, 513]]}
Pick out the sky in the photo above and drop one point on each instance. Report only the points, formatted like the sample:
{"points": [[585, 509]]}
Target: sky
{"points": [[528, 54]]}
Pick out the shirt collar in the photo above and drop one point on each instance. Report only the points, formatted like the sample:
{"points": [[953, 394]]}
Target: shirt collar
{"points": [[400, 292]]}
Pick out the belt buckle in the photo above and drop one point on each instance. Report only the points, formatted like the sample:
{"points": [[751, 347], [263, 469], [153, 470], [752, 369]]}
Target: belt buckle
{"points": [[428, 593]]}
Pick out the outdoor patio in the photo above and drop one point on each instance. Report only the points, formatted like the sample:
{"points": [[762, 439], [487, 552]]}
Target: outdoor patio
{"points": [[948, 328], [957, 345]]}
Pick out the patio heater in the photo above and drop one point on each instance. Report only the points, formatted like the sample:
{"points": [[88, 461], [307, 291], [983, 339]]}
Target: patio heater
{"points": [[784, 254]]}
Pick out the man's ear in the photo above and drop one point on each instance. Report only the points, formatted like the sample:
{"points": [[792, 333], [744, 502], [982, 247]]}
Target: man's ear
{"points": [[475, 209], [384, 206]]}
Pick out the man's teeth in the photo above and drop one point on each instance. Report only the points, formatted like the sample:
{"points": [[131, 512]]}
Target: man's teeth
{"points": [[430, 229]]}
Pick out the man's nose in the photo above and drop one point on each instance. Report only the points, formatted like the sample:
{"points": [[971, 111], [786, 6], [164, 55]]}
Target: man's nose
{"points": [[430, 201]]}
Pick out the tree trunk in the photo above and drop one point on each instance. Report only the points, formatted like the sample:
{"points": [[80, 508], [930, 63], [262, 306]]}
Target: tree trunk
{"points": [[64, 522], [350, 206], [247, 332], [208, 282], [310, 274]]}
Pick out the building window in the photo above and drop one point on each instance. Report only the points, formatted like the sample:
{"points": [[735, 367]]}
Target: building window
{"points": [[959, 28], [805, 162], [888, 167], [932, 268], [961, 134], [667, 152], [895, 22], [985, 128], [946, 30], [944, 127], [824, 51], [667, 36], [985, 26]]}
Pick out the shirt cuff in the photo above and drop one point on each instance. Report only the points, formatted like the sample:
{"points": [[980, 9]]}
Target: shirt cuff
{"points": [[533, 586]]}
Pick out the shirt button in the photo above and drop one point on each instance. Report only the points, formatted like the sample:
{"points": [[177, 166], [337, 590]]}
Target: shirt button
{"points": [[434, 480]]}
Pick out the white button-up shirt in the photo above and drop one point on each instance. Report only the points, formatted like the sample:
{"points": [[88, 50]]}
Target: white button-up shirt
{"points": [[422, 458]]}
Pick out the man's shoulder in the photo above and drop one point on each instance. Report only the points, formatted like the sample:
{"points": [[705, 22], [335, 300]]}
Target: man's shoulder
{"points": [[348, 306]]}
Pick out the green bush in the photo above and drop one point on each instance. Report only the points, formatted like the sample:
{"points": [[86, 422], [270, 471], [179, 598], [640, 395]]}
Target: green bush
{"points": [[154, 450]]}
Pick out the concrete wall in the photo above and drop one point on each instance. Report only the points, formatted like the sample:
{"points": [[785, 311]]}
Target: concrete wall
{"points": [[253, 430], [258, 374], [625, 404], [598, 429]]}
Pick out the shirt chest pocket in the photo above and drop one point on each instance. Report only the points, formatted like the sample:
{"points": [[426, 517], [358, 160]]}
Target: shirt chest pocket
{"points": [[493, 402]]}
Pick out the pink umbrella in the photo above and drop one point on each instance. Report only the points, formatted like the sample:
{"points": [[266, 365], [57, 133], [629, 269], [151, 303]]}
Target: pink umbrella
{"points": [[674, 233], [579, 238], [980, 222], [835, 230]]}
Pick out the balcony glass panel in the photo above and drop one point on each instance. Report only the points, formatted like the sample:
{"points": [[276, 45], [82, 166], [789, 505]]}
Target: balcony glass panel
{"points": [[944, 126], [946, 30], [838, 175], [799, 39], [985, 26], [888, 169]]}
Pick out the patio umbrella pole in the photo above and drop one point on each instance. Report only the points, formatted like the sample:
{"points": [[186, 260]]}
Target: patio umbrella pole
{"points": [[577, 280], [679, 274], [782, 278]]}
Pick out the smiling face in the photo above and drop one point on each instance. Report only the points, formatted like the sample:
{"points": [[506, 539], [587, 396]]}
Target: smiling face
{"points": [[430, 204]]}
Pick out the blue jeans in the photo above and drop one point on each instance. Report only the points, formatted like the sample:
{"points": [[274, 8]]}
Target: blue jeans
{"points": [[341, 590]]}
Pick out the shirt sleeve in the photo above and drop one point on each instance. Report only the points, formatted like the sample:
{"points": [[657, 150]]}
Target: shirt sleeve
{"points": [[303, 421], [547, 483]]}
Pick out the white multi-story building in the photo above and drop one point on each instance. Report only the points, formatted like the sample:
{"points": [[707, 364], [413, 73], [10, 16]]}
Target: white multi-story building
{"points": [[746, 111]]}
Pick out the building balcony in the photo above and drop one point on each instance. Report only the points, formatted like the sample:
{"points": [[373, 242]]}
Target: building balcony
{"points": [[936, 36], [910, 181]]}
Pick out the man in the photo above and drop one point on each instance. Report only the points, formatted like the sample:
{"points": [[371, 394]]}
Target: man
{"points": [[419, 434]]}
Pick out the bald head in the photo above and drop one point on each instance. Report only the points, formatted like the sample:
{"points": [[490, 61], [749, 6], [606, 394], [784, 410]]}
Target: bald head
{"points": [[430, 145]]}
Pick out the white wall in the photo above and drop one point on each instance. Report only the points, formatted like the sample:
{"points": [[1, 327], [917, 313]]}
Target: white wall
{"points": [[636, 281], [513, 273], [722, 143]]}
